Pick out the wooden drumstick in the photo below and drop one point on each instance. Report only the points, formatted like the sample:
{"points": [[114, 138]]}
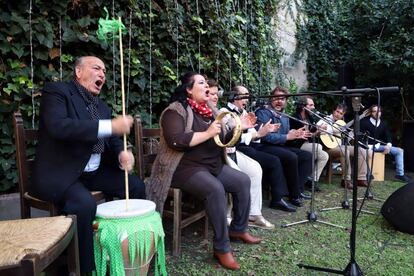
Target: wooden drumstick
{"points": [[123, 107]]}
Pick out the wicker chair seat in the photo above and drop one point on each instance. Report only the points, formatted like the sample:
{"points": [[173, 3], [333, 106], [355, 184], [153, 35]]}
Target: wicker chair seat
{"points": [[34, 237]]}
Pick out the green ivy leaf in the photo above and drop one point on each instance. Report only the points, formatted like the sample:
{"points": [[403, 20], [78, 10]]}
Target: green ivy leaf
{"points": [[85, 21], [197, 19], [18, 50], [66, 58], [69, 35]]}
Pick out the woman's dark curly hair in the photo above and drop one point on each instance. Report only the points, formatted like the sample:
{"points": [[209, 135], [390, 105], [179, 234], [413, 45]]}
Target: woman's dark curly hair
{"points": [[180, 93]]}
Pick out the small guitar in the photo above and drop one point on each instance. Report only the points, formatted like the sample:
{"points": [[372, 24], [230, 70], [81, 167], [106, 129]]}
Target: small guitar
{"points": [[333, 140]]}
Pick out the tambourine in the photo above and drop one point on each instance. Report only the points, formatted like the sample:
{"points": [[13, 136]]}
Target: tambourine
{"points": [[237, 129]]}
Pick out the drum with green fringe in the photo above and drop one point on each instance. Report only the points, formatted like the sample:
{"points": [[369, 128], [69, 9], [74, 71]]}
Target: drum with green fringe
{"points": [[141, 225]]}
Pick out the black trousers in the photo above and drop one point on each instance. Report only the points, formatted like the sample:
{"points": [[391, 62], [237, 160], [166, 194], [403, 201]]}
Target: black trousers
{"points": [[79, 201], [297, 165], [272, 170], [212, 189]]}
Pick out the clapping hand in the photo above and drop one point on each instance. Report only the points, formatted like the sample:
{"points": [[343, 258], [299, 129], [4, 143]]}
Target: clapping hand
{"points": [[267, 128], [248, 121], [300, 133]]}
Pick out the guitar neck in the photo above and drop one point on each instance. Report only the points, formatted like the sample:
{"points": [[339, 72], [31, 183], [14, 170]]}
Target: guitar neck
{"points": [[350, 123]]}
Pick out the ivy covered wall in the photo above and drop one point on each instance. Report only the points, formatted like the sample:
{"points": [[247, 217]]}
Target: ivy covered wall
{"points": [[233, 41], [230, 40], [361, 44]]}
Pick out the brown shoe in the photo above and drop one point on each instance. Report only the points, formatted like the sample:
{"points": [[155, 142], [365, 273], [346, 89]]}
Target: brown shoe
{"points": [[227, 260], [362, 183], [244, 237], [347, 183]]}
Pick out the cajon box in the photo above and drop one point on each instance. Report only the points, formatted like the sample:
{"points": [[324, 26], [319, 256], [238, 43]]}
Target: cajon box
{"points": [[379, 166]]}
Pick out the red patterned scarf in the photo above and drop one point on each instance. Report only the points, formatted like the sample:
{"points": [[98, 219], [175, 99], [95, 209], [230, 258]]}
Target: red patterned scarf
{"points": [[201, 109]]}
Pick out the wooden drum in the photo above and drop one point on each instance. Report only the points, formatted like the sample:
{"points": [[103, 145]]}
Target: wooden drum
{"points": [[128, 238], [379, 166]]}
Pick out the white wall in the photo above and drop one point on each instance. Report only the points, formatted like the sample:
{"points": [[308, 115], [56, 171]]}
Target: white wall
{"points": [[286, 35]]}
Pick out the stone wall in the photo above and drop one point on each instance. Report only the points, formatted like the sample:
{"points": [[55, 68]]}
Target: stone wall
{"points": [[286, 34]]}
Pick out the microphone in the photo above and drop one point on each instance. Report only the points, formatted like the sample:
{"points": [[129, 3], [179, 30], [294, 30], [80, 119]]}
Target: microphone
{"points": [[244, 96], [257, 103], [230, 95], [314, 111], [391, 89], [321, 114], [221, 93]]}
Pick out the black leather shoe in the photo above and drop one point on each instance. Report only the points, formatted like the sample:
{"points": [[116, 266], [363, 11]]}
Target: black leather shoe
{"points": [[296, 201], [282, 205], [308, 186], [403, 178], [305, 196]]}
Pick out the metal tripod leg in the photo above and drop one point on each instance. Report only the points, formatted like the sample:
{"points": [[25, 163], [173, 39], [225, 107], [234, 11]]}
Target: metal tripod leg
{"points": [[345, 208], [312, 221], [294, 223], [370, 196], [345, 203], [312, 217]]}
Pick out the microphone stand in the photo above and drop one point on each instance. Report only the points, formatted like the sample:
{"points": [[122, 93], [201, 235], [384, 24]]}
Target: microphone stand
{"points": [[311, 216], [368, 193], [344, 92], [345, 203], [352, 268]]}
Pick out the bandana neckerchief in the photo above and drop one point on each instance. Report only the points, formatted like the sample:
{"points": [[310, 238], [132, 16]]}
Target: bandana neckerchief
{"points": [[201, 109]]}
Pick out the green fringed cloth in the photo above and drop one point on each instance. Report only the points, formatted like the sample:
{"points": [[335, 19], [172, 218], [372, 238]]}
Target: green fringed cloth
{"points": [[138, 230]]}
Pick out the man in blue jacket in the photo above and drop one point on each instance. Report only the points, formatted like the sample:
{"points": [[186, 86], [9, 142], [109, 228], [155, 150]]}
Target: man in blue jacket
{"points": [[297, 163], [80, 150]]}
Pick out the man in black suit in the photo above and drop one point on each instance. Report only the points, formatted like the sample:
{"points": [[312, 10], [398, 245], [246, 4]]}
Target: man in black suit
{"points": [[79, 150]]}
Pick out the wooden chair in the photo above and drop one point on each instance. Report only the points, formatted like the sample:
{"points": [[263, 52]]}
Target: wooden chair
{"points": [[22, 137], [56, 240], [146, 140], [329, 169]]}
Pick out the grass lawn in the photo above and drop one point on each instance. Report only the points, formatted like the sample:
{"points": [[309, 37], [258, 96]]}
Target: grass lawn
{"points": [[381, 250]]}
